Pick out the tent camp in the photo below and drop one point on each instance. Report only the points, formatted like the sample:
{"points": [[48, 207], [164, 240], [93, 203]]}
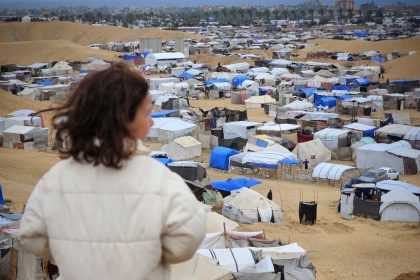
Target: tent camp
{"points": [[398, 155], [314, 151], [248, 206], [183, 148], [242, 129], [330, 171], [332, 138], [166, 129], [400, 205], [255, 102]]}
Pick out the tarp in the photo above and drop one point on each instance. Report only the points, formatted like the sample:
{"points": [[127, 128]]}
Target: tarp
{"points": [[164, 161], [330, 171], [238, 80], [219, 157], [390, 185], [325, 101], [308, 91], [162, 114], [234, 184], [211, 82]]}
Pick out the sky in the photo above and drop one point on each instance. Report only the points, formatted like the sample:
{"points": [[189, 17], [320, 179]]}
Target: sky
{"points": [[21, 4]]}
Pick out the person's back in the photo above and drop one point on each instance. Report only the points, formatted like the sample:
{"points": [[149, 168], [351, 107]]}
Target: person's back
{"points": [[126, 219]]}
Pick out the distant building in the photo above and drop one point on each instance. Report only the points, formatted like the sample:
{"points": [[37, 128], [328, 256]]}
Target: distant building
{"points": [[344, 4], [368, 7]]}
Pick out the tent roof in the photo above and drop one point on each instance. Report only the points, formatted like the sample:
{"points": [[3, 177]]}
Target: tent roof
{"points": [[359, 126], [19, 129], [390, 185], [234, 184], [382, 147], [164, 56], [245, 198], [329, 170], [187, 141], [399, 196], [330, 132], [395, 129], [21, 112]]}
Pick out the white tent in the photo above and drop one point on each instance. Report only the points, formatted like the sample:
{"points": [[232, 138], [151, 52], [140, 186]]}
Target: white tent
{"points": [[96, 65], [200, 267], [272, 128], [166, 129], [238, 67], [331, 137], [299, 105], [400, 205], [390, 155], [156, 94], [255, 102], [329, 171], [62, 68], [183, 148], [25, 137], [279, 71], [164, 58], [314, 151], [248, 206], [240, 129], [390, 185]]}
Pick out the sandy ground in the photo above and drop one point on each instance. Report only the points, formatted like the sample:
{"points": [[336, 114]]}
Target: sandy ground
{"points": [[82, 34], [50, 50], [340, 249]]}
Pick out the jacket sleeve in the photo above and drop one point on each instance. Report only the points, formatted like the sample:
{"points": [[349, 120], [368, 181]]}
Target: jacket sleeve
{"points": [[184, 221], [33, 232]]}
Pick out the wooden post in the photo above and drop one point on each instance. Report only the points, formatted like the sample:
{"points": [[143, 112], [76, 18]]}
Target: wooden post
{"points": [[225, 234]]}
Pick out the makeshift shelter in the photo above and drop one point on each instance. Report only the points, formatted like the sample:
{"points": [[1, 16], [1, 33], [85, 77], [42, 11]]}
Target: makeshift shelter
{"points": [[25, 137], [62, 68], [248, 206], [219, 157], [274, 129], [398, 155], [255, 102], [333, 138], [330, 171], [299, 105], [183, 148], [314, 151], [166, 129], [242, 129], [390, 185], [95, 65], [400, 205], [234, 184], [361, 130], [188, 170], [200, 267], [164, 59]]}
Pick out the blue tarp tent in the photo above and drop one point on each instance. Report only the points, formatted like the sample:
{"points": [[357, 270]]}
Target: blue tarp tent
{"points": [[219, 157], [263, 90], [325, 101], [164, 161], [403, 82], [290, 161], [308, 91], [369, 133], [340, 87], [186, 75], [344, 97], [211, 82], [379, 59], [162, 114], [238, 80], [362, 81], [234, 184], [45, 83], [360, 33]]}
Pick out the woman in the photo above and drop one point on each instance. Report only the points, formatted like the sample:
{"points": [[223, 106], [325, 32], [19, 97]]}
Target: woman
{"points": [[107, 210]]}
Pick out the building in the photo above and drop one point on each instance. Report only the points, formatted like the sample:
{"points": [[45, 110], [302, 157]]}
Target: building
{"points": [[167, 59], [344, 4]]}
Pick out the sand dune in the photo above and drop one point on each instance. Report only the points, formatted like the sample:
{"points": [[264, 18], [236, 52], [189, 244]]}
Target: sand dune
{"points": [[407, 67], [10, 102], [49, 50], [82, 34]]}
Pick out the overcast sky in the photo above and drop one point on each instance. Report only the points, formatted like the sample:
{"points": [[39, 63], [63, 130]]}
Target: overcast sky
{"points": [[13, 4]]}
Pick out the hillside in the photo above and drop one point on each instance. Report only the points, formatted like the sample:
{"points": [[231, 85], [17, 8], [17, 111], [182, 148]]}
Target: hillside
{"points": [[82, 34], [407, 67], [48, 50]]}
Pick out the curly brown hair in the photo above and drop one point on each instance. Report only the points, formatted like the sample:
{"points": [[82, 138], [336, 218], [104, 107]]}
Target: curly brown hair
{"points": [[93, 121]]}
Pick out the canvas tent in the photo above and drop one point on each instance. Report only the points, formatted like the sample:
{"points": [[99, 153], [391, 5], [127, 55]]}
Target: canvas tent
{"points": [[166, 129], [96, 65], [255, 102], [183, 148], [299, 105], [390, 185], [400, 205], [25, 137], [332, 138], [398, 155], [330, 171], [242, 129], [314, 151], [188, 170], [248, 206], [234, 184]]}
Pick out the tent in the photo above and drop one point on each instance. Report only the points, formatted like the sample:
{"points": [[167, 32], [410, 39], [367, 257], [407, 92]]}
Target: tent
{"points": [[400, 205], [242, 129], [166, 129], [219, 157], [390, 185], [314, 151], [330, 171], [183, 148], [265, 158], [25, 137], [218, 223], [234, 184], [248, 206], [62, 68], [238, 80], [332, 138], [398, 155], [299, 105], [200, 267], [96, 65], [165, 114], [362, 129], [271, 128], [188, 170], [255, 102]]}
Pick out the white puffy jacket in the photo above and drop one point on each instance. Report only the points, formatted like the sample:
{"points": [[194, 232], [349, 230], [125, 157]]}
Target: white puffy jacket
{"points": [[102, 223]]}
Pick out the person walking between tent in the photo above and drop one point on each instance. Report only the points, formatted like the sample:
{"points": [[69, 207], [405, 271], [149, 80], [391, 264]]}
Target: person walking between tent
{"points": [[270, 195], [306, 163], [108, 210]]}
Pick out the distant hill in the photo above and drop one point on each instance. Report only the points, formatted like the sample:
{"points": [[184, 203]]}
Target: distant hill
{"points": [[82, 34], [49, 50]]}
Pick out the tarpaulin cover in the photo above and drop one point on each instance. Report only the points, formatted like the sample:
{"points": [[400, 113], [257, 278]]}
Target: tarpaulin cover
{"points": [[235, 184], [161, 114], [379, 59], [326, 101], [219, 157], [360, 33], [402, 82], [211, 82], [290, 161], [238, 80], [308, 91], [186, 75], [344, 97], [45, 83], [340, 87], [164, 161], [362, 81]]}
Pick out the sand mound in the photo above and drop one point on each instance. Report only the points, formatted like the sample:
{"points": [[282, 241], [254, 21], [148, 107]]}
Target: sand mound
{"points": [[48, 50], [408, 276], [406, 67], [10, 102], [83, 34], [402, 45]]}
